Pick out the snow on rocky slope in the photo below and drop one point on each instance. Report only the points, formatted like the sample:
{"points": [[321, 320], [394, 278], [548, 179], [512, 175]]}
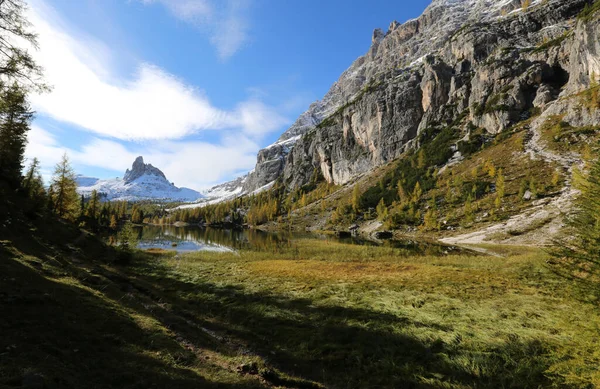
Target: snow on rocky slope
{"points": [[142, 182]]}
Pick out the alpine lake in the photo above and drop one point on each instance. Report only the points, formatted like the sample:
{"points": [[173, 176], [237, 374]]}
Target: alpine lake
{"points": [[184, 239]]}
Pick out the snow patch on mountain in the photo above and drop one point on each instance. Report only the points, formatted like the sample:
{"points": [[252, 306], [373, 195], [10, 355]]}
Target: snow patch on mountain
{"points": [[142, 182]]}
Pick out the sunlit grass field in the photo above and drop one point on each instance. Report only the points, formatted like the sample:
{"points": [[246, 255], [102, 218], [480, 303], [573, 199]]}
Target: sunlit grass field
{"points": [[362, 316], [309, 314]]}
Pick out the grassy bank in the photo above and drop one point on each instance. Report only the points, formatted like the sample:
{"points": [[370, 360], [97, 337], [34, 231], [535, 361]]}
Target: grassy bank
{"points": [[309, 314]]}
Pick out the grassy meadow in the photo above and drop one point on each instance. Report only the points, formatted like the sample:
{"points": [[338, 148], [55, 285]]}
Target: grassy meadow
{"points": [[311, 314]]}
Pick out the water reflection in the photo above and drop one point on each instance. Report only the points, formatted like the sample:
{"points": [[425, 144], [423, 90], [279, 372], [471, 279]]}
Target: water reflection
{"points": [[193, 238]]}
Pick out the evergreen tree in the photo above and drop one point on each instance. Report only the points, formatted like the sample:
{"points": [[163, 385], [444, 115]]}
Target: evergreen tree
{"points": [[82, 207], [92, 211], [65, 199], [430, 221], [50, 199], [33, 185], [500, 184], [356, 199], [16, 63], [15, 116], [382, 211], [417, 193], [469, 217], [93, 206], [579, 251], [113, 222], [402, 196]]}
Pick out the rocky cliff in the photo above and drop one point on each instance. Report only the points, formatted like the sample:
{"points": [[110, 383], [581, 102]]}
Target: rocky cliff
{"points": [[481, 64], [493, 71], [139, 169]]}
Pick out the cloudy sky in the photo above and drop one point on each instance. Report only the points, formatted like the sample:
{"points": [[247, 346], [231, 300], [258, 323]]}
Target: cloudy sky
{"points": [[195, 86]]}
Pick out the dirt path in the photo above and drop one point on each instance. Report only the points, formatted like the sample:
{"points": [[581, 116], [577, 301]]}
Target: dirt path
{"points": [[539, 223]]}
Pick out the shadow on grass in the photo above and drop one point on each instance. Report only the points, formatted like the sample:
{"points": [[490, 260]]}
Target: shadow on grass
{"points": [[342, 347], [76, 339]]}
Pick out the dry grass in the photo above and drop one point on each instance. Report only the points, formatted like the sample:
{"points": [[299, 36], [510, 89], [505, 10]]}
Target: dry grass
{"points": [[309, 314], [512, 303]]}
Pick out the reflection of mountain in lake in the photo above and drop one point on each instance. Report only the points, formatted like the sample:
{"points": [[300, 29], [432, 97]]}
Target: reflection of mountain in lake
{"points": [[193, 238], [206, 239]]}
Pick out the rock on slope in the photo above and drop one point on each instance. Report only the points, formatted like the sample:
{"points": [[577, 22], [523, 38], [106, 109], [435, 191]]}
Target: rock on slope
{"points": [[142, 182]]}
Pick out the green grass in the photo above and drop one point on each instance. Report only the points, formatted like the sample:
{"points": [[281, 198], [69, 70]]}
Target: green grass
{"points": [[589, 12], [68, 319], [356, 316], [309, 314]]}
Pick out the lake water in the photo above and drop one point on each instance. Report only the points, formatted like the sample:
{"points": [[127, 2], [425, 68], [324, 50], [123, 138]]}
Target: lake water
{"points": [[194, 238]]}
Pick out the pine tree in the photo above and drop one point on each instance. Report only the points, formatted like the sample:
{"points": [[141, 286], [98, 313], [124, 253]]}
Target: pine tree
{"points": [[500, 188], [579, 251], [92, 211], [402, 196], [50, 199], [356, 199], [417, 193], [430, 221], [421, 159], [15, 117], [64, 198], [382, 211], [33, 185], [16, 63], [82, 207], [469, 217]]}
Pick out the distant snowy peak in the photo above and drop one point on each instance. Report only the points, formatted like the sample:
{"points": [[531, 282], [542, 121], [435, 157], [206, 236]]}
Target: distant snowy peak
{"points": [[139, 169], [227, 190], [142, 182]]}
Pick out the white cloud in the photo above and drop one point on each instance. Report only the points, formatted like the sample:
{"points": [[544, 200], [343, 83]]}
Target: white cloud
{"points": [[197, 165], [154, 108], [153, 104], [225, 20]]}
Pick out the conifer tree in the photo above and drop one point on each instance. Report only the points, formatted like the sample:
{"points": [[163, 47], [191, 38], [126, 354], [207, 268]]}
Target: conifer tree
{"points": [[64, 198], [469, 217], [33, 185], [93, 206], [579, 251], [402, 196], [382, 211], [356, 199], [16, 62], [15, 116], [417, 193]]}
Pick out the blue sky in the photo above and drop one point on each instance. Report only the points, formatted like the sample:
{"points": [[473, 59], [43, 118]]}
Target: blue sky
{"points": [[195, 86]]}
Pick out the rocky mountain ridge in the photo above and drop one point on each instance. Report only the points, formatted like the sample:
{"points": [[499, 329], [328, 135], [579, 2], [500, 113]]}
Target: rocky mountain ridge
{"points": [[400, 52], [488, 74], [142, 182], [472, 64]]}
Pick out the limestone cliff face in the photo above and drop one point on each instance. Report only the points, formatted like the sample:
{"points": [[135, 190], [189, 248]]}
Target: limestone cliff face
{"points": [[489, 63], [491, 71]]}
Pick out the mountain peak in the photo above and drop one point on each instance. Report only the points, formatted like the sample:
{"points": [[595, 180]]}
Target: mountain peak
{"points": [[138, 161], [142, 182], [139, 169]]}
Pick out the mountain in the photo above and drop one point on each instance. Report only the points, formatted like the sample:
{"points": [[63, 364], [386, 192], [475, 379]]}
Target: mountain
{"points": [[418, 61], [142, 182], [468, 64], [462, 76], [458, 56]]}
